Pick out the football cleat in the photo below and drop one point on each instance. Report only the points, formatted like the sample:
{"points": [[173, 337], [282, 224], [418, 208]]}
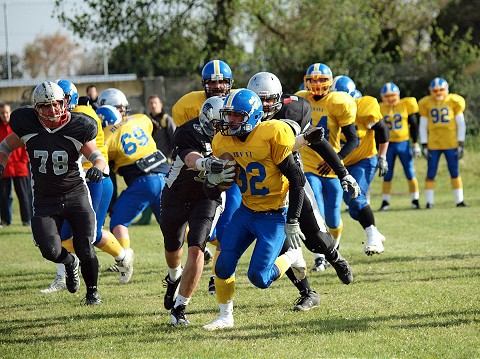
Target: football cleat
{"points": [[211, 285], [461, 204], [429, 205], [222, 322], [415, 204], [207, 256], [178, 317], [171, 293], [374, 243], [92, 298], [385, 206], [113, 268], [307, 301], [343, 269], [320, 264], [125, 266], [57, 285], [72, 278]]}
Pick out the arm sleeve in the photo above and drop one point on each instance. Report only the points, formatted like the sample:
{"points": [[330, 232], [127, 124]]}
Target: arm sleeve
{"points": [[382, 134], [183, 143], [327, 152], [351, 139], [461, 127], [296, 180], [413, 126], [422, 130]]}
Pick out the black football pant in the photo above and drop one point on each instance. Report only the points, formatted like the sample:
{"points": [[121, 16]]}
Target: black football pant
{"points": [[48, 216]]}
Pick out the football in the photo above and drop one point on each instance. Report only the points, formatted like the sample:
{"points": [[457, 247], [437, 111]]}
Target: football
{"points": [[226, 185]]}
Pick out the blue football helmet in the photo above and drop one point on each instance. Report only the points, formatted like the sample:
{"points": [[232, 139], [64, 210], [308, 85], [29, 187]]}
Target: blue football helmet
{"points": [[390, 94], [438, 88], [109, 115], [343, 83], [217, 78], [70, 91], [242, 111], [318, 79]]}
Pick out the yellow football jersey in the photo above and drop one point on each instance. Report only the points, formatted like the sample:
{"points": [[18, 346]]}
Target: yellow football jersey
{"points": [[130, 140], [262, 184], [332, 112], [442, 127], [100, 139], [368, 114], [188, 107], [396, 118]]}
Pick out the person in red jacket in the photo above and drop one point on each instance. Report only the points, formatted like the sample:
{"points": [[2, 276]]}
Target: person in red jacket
{"points": [[16, 172]]}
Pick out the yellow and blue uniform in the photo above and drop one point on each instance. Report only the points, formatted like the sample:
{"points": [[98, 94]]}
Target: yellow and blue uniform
{"points": [[188, 107], [101, 192], [396, 118], [361, 163], [332, 112], [128, 142], [262, 213], [442, 135]]}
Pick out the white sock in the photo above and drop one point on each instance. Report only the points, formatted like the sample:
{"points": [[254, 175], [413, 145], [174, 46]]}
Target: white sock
{"points": [[175, 273], [415, 195], [429, 196], [458, 195], [226, 309], [60, 269], [181, 300], [121, 256], [386, 197]]}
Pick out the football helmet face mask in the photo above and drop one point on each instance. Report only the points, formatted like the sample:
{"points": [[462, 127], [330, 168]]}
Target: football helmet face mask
{"points": [[50, 105], [70, 91], [390, 94], [268, 87], [242, 111], [318, 79], [109, 115], [344, 84], [357, 94], [438, 88], [217, 78], [209, 117], [116, 98]]}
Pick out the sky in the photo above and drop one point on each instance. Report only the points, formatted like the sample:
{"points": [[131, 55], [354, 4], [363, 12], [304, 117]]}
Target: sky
{"points": [[26, 19]]}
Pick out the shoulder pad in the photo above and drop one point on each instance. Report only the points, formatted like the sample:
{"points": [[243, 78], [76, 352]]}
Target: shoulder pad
{"points": [[294, 126]]}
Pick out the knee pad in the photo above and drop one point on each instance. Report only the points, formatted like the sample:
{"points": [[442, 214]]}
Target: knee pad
{"points": [[51, 251], [223, 269], [257, 279]]}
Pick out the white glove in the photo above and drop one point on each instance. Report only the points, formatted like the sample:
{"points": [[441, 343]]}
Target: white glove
{"points": [[294, 234], [350, 185], [226, 175], [425, 151], [417, 152], [210, 164]]}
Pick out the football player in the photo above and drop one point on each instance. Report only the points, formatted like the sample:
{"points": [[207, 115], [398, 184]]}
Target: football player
{"points": [[296, 112], [401, 117], [101, 194], [54, 138], [267, 173], [134, 155], [335, 113], [442, 131], [184, 202], [217, 80], [363, 161]]}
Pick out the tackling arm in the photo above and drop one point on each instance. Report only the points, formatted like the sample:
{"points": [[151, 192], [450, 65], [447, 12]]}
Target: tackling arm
{"points": [[91, 153], [9, 144], [296, 193], [324, 149]]}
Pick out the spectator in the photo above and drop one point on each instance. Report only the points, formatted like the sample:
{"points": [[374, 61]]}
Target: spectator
{"points": [[92, 94], [16, 172]]}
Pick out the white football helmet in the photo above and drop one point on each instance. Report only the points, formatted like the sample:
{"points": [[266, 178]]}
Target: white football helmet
{"points": [[50, 104], [210, 114], [114, 97], [267, 86]]}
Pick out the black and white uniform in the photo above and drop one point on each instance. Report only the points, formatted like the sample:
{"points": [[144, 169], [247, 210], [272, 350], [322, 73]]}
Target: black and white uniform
{"points": [[59, 190], [183, 199], [297, 112]]}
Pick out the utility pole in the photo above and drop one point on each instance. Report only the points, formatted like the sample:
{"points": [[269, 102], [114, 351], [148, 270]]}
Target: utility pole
{"points": [[105, 60], [7, 53]]}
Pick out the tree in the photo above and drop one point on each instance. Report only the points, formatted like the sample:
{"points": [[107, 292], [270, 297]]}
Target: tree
{"points": [[50, 55]]}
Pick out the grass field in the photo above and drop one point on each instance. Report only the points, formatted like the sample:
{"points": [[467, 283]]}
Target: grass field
{"points": [[418, 299]]}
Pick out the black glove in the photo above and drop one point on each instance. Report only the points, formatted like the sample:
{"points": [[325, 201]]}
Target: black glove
{"points": [[382, 166], [314, 135], [94, 174], [2, 168]]}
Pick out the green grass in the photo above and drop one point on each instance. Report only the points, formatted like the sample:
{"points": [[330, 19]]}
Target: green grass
{"points": [[418, 299]]}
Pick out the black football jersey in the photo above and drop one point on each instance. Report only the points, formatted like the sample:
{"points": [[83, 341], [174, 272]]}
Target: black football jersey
{"points": [[54, 153], [296, 109], [187, 183]]}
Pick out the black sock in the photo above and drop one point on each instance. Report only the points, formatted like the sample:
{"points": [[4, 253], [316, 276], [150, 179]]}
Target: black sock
{"points": [[65, 257], [365, 217], [302, 285], [89, 269]]}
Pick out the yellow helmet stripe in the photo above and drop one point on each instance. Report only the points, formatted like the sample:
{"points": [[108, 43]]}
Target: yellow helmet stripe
{"points": [[230, 98]]}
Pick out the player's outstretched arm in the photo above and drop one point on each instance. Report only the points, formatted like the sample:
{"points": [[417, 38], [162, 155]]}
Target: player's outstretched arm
{"points": [[9, 143], [100, 166]]}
